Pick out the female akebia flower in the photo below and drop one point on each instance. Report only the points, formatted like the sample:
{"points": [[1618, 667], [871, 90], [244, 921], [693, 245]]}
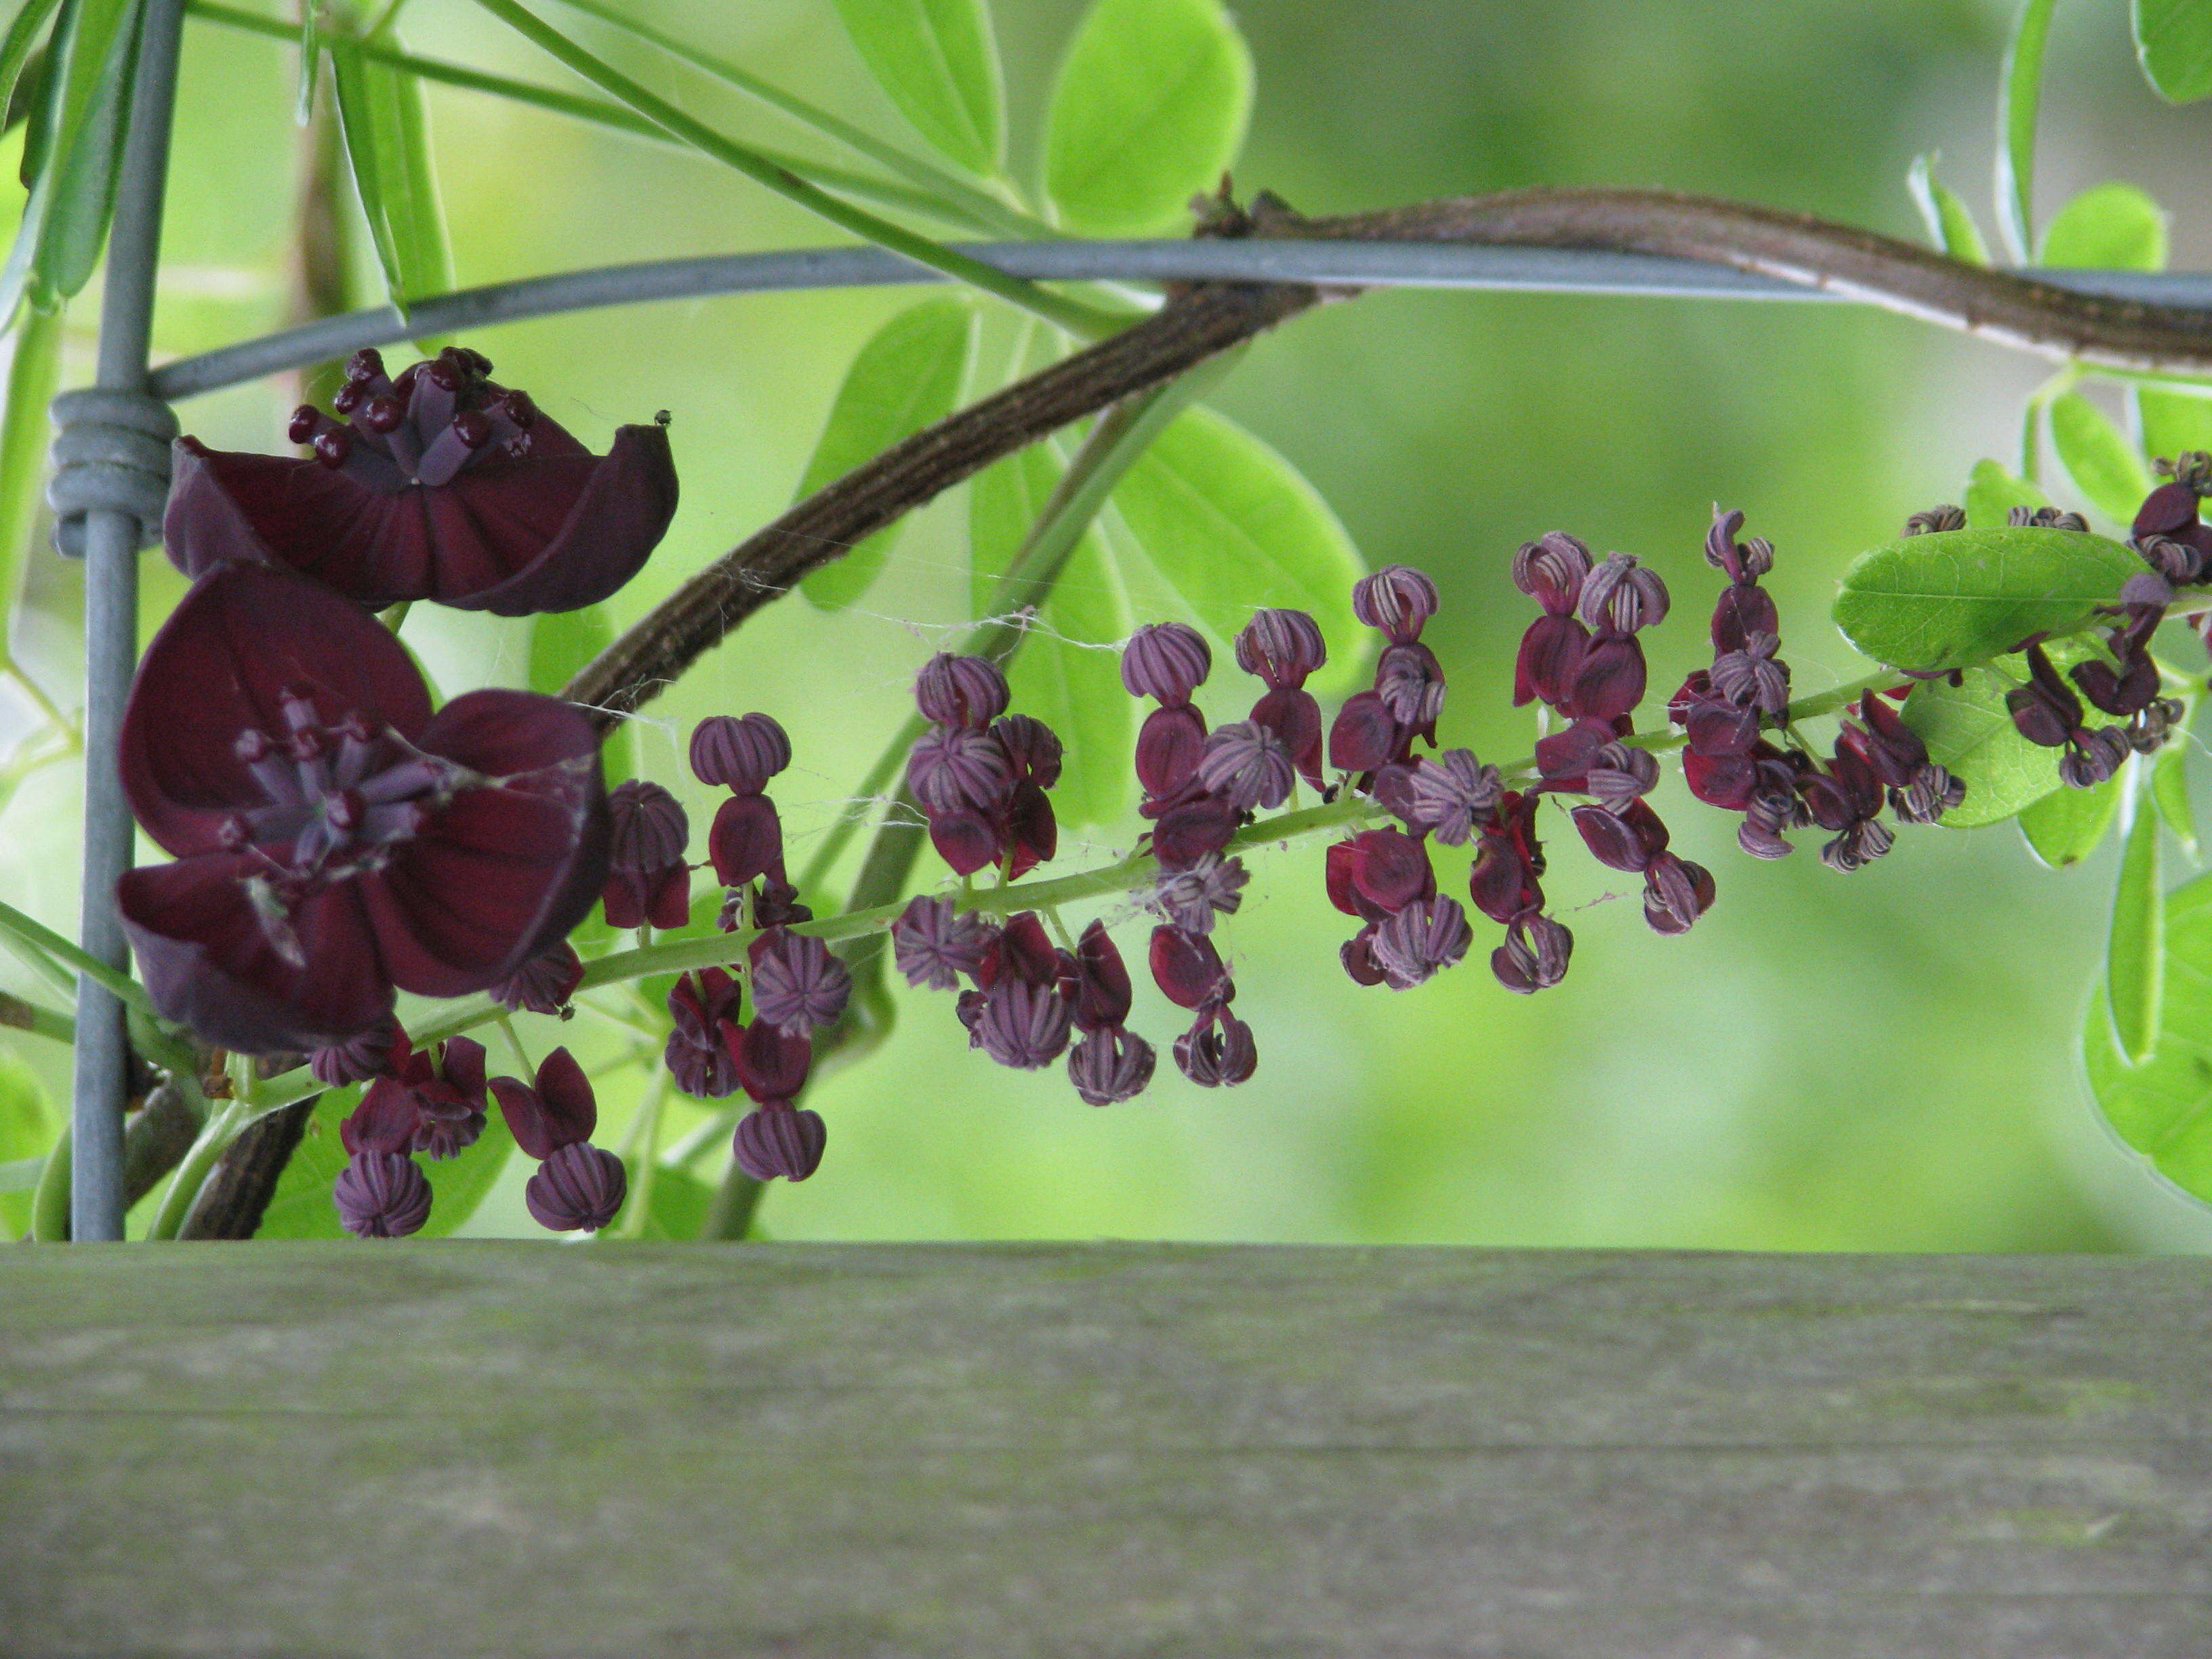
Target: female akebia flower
{"points": [[441, 485], [334, 838]]}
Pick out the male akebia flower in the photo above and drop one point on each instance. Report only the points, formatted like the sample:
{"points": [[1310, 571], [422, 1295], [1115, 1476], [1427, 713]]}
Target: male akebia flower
{"points": [[702, 1006], [1283, 647], [798, 985], [382, 1195], [544, 984], [648, 880], [741, 753], [579, 1187], [979, 779], [1376, 729], [334, 838], [2046, 712], [438, 485], [434, 1104]]}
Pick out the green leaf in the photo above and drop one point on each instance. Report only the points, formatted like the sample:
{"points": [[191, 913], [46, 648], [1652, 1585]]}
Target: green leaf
{"points": [[1992, 492], [72, 153], [1969, 731], [382, 116], [2173, 422], [21, 38], [2173, 41], [1150, 106], [940, 62], [2020, 90], [908, 375], [1233, 528], [2135, 962], [676, 1213], [28, 1127], [2098, 457], [2067, 826], [2112, 227], [1950, 224], [2169, 791], [32, 378], [301, 1206], [1958, 597]]}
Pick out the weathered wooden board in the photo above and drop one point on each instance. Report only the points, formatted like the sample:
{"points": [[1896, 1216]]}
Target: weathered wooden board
{"points": [[535, 1452]]}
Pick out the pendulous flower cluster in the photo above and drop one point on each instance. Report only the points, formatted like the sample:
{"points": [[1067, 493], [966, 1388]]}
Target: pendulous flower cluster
{"points": [[979, 774]]}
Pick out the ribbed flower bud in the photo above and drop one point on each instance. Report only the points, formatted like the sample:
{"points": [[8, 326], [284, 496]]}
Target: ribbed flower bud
{"points": [[1427, 936], [580, 1188], [1744, 562], [1453, 794], [1618, 775], [739, 753], [1676, 892], [1862, 842], [1397, 599], [2095, 758], [779, 1139], [1930, 521], [1751, 678], [382, 1195], [1167, 661], [378, 1052], [1282, 647], [932, 944], [1110, 1066], [954, 768], [1621, 596], [1217, 1053], [1551, 569], [648, 879], [1411, 682], [1022, 1026], [1033, 748], [968, 691], [1246, 765], [798, 985]]}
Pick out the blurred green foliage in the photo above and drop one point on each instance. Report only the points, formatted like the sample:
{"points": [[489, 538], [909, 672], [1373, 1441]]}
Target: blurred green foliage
{"points": [[1885, 1061]]}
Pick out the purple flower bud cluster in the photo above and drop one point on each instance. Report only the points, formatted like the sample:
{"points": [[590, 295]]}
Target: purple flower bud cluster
{"points": [[2169, 530], [741, 753], [1175, 753], [648, 880], [1377, 728], [980, 774], [437, 1107], [797, 988]]}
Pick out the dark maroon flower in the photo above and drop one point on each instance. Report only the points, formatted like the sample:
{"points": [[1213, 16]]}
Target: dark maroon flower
{"points": [[1506, 880], [1861, 843], [965, 691], [1282, 647], [1169, 747], [1566, 757], [1621, 596], [560, 1111], [579, 1188], [1032, 832], [1188, 835], [1166, 662], [701, 1005], [432, 1106], [1218, 1051], [798, 985], [379, 1051], [1609, 680], [932, 944], [1190, 898], [1427, 936], [1751, 677], [544, 984], [2094, 757], [1378, 874], [1411, 682], [1398, 600], [1095, 980], [382, 1195], [1022, 1026], [2046, 709], [1032, 748], [779, 1139], [746, 841], [648, 879], [1618, 775], [1613, 841], [966, 841], [1535, 956], [1109, 1066], [334, 838], [1246, 765], [443, 486], [1551, 571], [957, 769], [1452, 794], [1188, 969], [1295, 717], [1022, 951], [739, 753], [1676, 892], [1358, 956], [1743, 561], [1551, 656], [2170, 514], [772, 1064], [1366, 736]]}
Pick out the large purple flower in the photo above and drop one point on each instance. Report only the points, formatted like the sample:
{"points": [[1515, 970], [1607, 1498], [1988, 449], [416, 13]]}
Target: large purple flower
{"points": [[441, 486], [334, 837]]}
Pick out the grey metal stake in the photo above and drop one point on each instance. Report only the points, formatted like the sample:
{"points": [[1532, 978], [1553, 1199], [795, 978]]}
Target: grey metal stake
{"points": [[112, 540]]}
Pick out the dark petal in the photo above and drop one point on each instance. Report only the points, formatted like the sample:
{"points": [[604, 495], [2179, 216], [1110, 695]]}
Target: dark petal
{"points": [[1551, 656], [207, 962], [1110, 1066], [1565, 757], [1168, 747], [544, 984], [1022, 951], [1358, 956], [1390, 869], [1609, 683], [382, 1194], [1743, 610], [384, 1121], [1097, 981], [561, 1111], [772, 1065], [1032, 831], [966, 841], [1612, 842], [739, 753], [579, 1188], [964, 691], [237, 643], [1185, 835], [2040, 719], [381, 1051], [1032, 747], [1188, 969], [1723, 781], [746, 841], [1500, 883], [1675, 894], [700, 1006], [1397, 599], [1282, 647], [1713, 727], [1294, 716], [1365, 736], [1167, 661], [779, 1139], [2167, 509]]}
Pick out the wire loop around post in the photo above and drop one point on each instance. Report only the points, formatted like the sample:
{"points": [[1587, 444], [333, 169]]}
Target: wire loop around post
{"points": [[110, 452]]}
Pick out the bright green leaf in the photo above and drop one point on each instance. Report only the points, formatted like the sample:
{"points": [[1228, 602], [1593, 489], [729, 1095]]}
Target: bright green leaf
{"points": [[2169, 791], [301, 1208], [383, 118], [28, 1126], [2067, 826], [32, 378], [1992, 492], [940, 62], [676, 1213], [2098, 457], [1149, 108], [2163, 1106], [2173, 422], [2112, 227], [1958, 597], [21, 40], [1950, 224], [2020, 90], [2135, 962], [72, 153], [1969, 731], [908, 375], [1233, 528], [2173, 40]]}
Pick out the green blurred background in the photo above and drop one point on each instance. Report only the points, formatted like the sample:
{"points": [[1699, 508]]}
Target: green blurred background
{"points": [[1886, 1061]]}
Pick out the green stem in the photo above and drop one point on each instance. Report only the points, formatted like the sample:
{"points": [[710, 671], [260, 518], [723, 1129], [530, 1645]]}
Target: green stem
{"points": [[640, 1153], [49, 954], [2019, 92], [2030, 420], [40, 1022], [514, 1046], [206, 1149], [1077, 319]]}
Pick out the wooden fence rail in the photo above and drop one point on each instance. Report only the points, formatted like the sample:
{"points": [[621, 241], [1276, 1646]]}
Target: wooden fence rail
{"points": [[524, 1451]]}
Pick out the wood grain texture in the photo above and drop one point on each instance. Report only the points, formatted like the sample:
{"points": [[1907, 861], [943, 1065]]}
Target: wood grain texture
{"points": [[864, 1452]]}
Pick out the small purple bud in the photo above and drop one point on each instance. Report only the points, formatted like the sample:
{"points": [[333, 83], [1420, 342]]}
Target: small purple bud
{"points": [[1762, 840], [1859, 845], [1932, 792], [1411, 682], [1190, 898], [956, 768], [1535, 956], [1398, 599], [798, 985], [779, 1139], [1427, 936], [1188, 969], [1110, 1066], [700, 1005], [1022, 1026], [1167, 661], [1622, 596], [1551, 569], [580, 1188], [1452, 794], [1933, 521], [1246, 765], [1745, 561], [2095, 758], [544, 984], [648, 879], [382, 1195], [1282, 647], [1095, 980], [739, 753], [968, 691], [1675, 893], [932, 944], [1751, 678], [1033, 748], [1218, 1052]]}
